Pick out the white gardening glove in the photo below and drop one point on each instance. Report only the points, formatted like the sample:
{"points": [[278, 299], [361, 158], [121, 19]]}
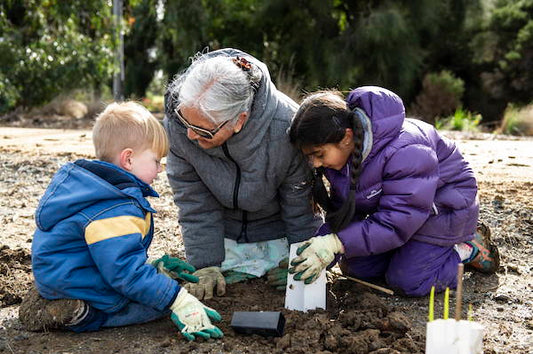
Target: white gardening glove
{"points": [[193, 318], [209, 279], [314, 256]]}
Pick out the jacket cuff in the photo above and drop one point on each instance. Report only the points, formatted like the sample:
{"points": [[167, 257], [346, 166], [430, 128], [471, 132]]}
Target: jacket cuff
{"points": [[173, 298]]}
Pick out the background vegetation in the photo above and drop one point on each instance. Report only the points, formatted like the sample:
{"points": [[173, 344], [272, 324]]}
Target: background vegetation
{"points": [[446, 58]]}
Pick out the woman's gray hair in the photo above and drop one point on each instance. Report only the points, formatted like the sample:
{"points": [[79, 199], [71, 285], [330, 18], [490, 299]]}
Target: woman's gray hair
{"points": [[217, 86]]}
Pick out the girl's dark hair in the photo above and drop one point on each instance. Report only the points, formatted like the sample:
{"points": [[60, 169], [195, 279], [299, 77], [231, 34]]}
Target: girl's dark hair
{"points": [[322, 119]]}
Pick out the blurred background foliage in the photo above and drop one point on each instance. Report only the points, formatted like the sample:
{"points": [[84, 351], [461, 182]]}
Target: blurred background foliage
{"points": [[449, 60]]}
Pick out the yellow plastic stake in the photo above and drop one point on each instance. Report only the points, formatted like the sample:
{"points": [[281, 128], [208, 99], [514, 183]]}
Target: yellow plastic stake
{"points": [[431, 301], [446, 303], [470, 312]]}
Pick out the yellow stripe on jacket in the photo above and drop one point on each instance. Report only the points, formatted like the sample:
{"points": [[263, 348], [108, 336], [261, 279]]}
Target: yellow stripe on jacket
{"points": [[104, 229]]}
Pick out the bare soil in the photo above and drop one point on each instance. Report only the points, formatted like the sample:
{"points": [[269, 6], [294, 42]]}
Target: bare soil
{"points": [[357, 319]]}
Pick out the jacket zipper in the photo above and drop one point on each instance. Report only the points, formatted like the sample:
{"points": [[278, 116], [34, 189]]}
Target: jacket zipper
{"points": [[244, 233], [237, 178]]}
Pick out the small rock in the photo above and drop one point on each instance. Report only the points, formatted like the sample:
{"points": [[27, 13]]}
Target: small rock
{"points": [[513, 268], [165, 344], [21, 337], [502, 298]]}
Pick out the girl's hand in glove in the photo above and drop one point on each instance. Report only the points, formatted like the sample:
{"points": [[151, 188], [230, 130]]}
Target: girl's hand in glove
{"points": [[175, 268], [314, 256], [210, 278], [194, 318]]}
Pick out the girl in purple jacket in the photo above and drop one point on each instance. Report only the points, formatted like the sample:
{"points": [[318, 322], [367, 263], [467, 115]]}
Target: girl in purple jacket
{"points": [[402, 201]]}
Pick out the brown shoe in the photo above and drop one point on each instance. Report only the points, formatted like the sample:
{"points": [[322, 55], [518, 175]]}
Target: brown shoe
{"points": [[485, 256], [39, 314]]}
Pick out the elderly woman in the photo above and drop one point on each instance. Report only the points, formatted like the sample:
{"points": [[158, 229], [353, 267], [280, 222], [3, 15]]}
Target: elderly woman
{"points": [[242, 190]]}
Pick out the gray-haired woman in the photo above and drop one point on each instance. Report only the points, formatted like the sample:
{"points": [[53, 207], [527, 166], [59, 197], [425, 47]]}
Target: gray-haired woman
{"points": [[242, 190]]}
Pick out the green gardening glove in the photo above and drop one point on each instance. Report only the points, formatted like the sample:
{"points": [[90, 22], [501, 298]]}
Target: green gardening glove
{"points": [[194, 318], [175, 268], [277, 277]]}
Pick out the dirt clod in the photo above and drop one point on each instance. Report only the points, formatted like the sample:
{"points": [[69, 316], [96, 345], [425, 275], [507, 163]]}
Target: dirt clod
{"points": [[15, 275]]}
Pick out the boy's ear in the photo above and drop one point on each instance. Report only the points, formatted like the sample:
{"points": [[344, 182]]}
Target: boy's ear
{"points": [[125, 159], [243, 117]]}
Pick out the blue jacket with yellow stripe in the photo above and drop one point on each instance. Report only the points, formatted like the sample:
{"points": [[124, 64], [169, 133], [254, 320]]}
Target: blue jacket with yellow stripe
{"points": [[94, 227]]}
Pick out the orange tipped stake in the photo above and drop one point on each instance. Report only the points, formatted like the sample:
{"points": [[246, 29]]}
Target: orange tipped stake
{"points": [[446, 303], [431, 302]]}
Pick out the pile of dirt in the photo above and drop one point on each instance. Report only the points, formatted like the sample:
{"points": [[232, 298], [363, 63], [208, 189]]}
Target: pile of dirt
{"points": [[15, 275], [356, 321]]}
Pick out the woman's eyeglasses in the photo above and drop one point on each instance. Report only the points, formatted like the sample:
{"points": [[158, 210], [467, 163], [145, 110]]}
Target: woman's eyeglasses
{"points": [[204, 133]]}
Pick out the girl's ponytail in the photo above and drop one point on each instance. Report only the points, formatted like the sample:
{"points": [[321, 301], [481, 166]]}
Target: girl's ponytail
{"points": [[319, 193]]}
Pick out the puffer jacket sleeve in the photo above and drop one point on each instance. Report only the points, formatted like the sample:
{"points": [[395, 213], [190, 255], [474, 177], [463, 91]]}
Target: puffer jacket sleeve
{"points": [[410, 179], [200, 214], [295, 201], [115, 241]]}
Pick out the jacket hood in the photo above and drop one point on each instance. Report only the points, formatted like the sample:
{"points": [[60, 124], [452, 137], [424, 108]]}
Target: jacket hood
{"points": [[267, 101], [385, 111], [83, 183]]}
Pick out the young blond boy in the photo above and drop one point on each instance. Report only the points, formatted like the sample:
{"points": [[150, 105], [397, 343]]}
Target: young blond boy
{"points": [[94, 227]]}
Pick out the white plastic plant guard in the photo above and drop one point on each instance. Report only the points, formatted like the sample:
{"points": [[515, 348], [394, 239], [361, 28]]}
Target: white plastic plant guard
{"points": [[454, 337], [302, 297]]}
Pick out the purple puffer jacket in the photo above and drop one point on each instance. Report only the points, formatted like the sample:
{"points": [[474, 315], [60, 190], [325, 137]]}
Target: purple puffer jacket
{"points": [[415, 184]]}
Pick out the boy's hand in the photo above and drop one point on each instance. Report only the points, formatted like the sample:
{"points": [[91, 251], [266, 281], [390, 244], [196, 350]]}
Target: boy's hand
{"points": [[175, 268], [277, 277], [210, 278], [194, 318], [314, 256]]}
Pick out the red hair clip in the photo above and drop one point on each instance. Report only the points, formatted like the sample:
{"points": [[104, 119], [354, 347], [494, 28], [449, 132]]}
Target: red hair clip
{"points": [[242, 63]]}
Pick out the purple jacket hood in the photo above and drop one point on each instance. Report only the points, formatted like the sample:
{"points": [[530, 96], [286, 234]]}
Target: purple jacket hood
{"points": [[385, 110]]}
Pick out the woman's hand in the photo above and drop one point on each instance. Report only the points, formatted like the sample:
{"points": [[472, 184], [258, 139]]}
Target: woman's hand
{"points": [[277, 277], [210, 278]]}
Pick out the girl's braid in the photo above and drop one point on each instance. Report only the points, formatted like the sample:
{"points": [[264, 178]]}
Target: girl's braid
{"points": [[357, 156]]}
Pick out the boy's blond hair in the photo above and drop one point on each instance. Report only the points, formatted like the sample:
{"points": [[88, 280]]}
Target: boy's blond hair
{"points": [[127, 125]]}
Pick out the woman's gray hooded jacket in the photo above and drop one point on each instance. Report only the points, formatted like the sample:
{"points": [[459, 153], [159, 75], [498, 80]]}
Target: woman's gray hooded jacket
{"points": [[255, 187]]}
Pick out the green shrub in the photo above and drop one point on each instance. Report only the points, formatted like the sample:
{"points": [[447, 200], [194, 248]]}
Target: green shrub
{"points": [[461, 120], [440, 96], [517, 121], [51, 47], [9, 94]]}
